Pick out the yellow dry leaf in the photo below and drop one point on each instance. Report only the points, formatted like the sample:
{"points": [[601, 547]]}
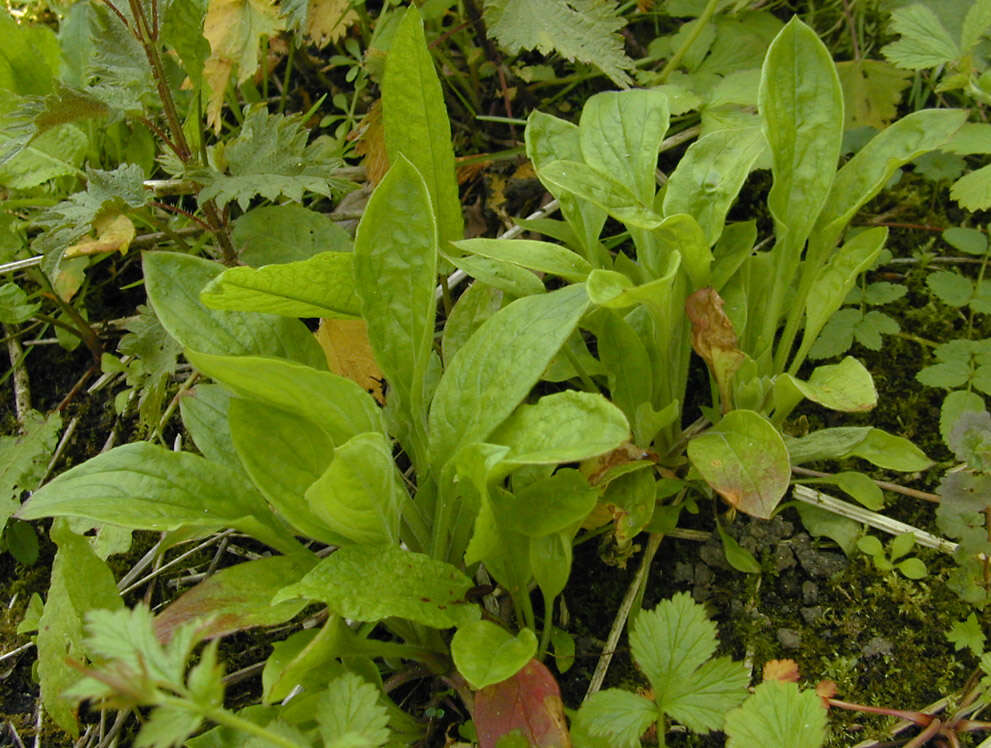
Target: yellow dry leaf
{"points": [[234, 29], [370, 143], [328, 20], [114, 233], [349, 353]]}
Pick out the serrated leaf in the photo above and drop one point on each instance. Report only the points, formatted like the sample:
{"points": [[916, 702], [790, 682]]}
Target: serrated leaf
{"points": [[976, 24], [23, 459], [270, 158], [970, 439], [971, 241], [234, 29], [870, 329], [119, 73], [967, 634], [951, 288], [925, 42], [369, 583], [619, 716], [350, 709], [582, 30], [836, 336], [182, 29], [871, 92], [955, 404], [54, 153], [778, 714], [485, 653], [883, 292], [947, 375], [973, 191]]}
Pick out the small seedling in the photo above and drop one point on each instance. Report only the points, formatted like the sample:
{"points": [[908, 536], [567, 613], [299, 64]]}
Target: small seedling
{"points": [[895, 557]]}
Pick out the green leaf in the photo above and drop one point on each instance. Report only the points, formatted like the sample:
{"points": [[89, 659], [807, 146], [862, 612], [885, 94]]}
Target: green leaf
{"points": [[628, 367], [360, 496], [900, 545], [862, 488], [369, 583], [870, 545], [580, 30], [564, 427], [973, 191], [745, 460], [822, 523], [322, 286], [552, 504], [890, 452], [609, 194], [976, 24], [118, 72], [846, 386], [57, 152], [204, 415], [967, 634], [30, 59], [620, 716], [283, 454], [534, 255], [508, 278], [416, 123], [971, 241], [872, 90], [485, 653], [673, 644], [778, 714], [550, 560], [736, 555], [174, 282], [620, 133], [955, 404], [349, 714], [339, 406], [147, 487], [395, 269], [801, 106], [473, 307], [182, 29], [236, 598], [951, 288], [924, 43], [275, 234], [270, 158], [497, 367], [23, 459], [81, 582], [709, 176], [870, 329], [948, 374]]}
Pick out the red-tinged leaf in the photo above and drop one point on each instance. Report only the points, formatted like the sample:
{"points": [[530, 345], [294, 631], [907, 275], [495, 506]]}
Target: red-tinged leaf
{"points": [[237, 598], [529, 702], [714, 339], [783, 670]]}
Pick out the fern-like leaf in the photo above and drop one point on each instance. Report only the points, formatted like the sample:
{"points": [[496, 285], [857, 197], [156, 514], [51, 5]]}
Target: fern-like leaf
{"points": [[582, 30]]}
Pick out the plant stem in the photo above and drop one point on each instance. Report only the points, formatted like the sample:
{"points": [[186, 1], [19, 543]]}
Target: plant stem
{"points": [[700, 24]]}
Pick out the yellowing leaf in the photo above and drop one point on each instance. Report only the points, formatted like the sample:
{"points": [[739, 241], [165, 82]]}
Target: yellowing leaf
{"points": [[783, 670], [871, 92], [370, 137], [114, 233], [328, 20], [345, 344], [234, 29]]}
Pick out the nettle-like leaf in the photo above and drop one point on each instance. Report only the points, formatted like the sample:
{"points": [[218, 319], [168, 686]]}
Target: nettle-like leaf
{"points": [[14, 305], [270, 158], [961, 362], [349, 714], [582, 30], [924, 43], [157, 353], [23, 459], [119, 73]]}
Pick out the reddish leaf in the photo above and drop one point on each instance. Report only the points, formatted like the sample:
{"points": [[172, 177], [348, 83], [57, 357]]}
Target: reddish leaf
{"points": [[783, 670], [714, 339], [529, 702], [238, 597]]}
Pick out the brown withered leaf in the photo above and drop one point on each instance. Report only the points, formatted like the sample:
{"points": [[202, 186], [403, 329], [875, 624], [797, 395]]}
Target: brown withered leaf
{"points": [[370, 143], [114, 233], [714, 339], [328, 20], [349, 353], [785, 671], [825, 690]]}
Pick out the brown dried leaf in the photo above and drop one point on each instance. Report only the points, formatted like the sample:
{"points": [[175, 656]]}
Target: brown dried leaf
{"points": [[785, 671], [328, 20], [714, 339], [370, 137], [349, 353], [114, 233]]}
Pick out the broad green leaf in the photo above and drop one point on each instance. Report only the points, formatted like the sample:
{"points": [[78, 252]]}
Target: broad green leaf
{"points": [[473, 307], [680, 234], [497, 367], [709, 176], [23, 459], [528, 253], [846, 386], [620, 717], [976, 24], [615, 291], [778, 714], [890, 452], [550, 560], [369, 583], [863, 176], [236, 598], [57, 152], [322, 286], [507, 277], [862, 488], [552, 504], [826, 444], [283, 454], [349, 712], [147, 487], [973, 190], [416, 124], [14, 305], [395, 268], [971, 241], [80, 582], [204, 415], [485, 653], [744, 458], [182, 29], [672, 644], [174, 282], [609, 194], [30, 59], [628, 368], [924, 43], [527, 705], [275, 234], [801, 106], [872, 90], [564, 427], [338, 405], [620, 134], [360, 496], [582, 30]]}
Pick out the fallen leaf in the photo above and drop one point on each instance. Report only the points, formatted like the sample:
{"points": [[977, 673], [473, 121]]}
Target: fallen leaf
{"points": [[785, 671], [370, 143], [349, 353]]}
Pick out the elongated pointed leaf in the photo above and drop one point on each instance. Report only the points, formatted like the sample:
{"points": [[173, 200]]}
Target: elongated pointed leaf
{"points": [[826, 444], [416, 123], [174, 282], [204, 414], [846, 386], [485, 653], [498, 366], [322, 286], [745, 460], [535, 255], [369, 583], [621, 132], [338, 405], [147, 487]]}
